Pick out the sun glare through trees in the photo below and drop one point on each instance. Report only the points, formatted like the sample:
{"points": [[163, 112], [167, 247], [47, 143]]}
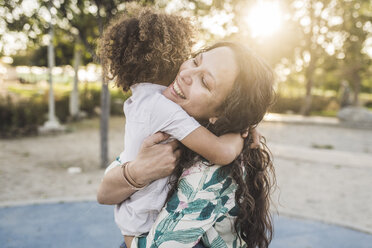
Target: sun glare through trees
{"points": [[264, 18]]}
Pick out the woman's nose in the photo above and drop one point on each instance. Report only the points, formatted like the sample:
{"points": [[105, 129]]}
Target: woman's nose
{"points": [[186, 76]]}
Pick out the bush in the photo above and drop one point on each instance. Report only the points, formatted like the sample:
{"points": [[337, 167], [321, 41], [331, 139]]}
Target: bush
{"points": [[368, 104], [23, 116], [318, 105]]}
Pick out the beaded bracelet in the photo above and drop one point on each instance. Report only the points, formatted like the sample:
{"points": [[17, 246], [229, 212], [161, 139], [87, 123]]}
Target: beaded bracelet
{"points": [[129, 180]]}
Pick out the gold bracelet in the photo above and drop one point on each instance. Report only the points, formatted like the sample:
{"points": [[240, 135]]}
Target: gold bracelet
{"points": [[129, 180]]}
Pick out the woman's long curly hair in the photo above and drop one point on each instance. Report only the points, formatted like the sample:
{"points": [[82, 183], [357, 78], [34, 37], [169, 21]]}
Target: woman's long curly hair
{"points": [[253, 170], [145, 46]]}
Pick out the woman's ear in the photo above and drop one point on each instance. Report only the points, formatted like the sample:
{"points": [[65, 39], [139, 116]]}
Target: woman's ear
{"points": [[212, 120]]}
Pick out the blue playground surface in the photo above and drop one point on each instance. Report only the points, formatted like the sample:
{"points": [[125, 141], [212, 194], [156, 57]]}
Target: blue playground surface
{"points": [[88, 224]]}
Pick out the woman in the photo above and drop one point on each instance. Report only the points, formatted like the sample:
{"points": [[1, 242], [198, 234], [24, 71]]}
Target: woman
{"points": [[239, 91]]}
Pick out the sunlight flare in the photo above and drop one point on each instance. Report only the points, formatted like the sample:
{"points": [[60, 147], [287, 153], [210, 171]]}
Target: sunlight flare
{"points": [[264, 18]]}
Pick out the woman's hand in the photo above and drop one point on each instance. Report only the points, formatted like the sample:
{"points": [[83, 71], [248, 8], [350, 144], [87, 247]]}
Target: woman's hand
{"points": [[153, 161]]}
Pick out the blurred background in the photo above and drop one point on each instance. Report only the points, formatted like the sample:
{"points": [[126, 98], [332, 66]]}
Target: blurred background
{"points": [[321, 51], [319, 129]]}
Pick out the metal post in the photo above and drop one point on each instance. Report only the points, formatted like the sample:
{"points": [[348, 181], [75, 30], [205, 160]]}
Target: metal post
{"points": [[52, 123]]}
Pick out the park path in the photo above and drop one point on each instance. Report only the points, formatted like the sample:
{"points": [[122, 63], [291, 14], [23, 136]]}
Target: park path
{"points": [[331, 185], [324, 172]]}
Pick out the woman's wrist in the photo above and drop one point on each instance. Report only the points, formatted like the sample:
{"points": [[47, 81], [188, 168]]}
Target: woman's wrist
{"points": [[127, 177], [136, 175]]}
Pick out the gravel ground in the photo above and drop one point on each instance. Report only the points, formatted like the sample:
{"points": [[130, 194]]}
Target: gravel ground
{"points": [[323, 172]]}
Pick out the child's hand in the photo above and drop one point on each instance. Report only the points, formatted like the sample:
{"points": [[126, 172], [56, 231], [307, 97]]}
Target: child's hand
{"points": [[234, 143], [256, 136], [154, 159]]}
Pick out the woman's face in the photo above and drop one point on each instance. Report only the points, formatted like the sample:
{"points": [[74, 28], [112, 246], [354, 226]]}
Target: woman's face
{"points": [[203, 82]]}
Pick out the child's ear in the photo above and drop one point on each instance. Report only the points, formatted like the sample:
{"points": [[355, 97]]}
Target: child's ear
{"points": [[213, 120]]}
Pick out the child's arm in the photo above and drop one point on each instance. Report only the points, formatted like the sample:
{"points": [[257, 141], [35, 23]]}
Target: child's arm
{"points": [[218, 150]]}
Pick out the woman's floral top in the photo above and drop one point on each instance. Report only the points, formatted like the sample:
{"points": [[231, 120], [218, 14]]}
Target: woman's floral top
{"points": [[202, 208]]}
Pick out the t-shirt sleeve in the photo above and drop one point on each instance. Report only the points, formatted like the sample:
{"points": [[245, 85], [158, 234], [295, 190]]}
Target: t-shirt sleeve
{"points": [[167, 116], [117, 162]]}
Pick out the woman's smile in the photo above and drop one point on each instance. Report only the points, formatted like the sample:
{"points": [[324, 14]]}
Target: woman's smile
{"points": [[177, 89], [203, 82]]}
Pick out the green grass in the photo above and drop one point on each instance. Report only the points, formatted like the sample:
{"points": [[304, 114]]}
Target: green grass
{"points": [[291, 91], [34, 78], [84, 124], [40, 90], [325, 113], [321, 146], [26, 92], [32, 90], [115, 122]]}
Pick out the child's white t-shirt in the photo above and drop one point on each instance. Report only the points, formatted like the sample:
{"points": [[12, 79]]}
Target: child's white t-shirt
{"points": [[147, 111]]}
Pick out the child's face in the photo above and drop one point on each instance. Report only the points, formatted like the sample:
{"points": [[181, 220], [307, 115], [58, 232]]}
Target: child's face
{"points": [[202, 83]]}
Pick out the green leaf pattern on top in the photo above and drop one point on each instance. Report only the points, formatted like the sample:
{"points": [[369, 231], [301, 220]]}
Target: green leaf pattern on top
{"points": [[185, 188], [203, 208]]}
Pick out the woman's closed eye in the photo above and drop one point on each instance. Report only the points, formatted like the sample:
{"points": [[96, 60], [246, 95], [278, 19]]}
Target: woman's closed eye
{"points": [[204, 83]]}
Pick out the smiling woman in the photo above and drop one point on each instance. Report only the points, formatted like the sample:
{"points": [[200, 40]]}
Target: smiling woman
{"points": [[203, 82], [264, 18], [223, 206]]}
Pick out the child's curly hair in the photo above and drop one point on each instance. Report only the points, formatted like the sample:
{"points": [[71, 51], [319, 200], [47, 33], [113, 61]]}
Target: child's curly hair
{"points": [[148, 46]]}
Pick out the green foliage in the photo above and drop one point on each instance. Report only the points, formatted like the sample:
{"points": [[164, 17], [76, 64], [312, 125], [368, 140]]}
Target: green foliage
{"points": [[20, 117], [64, 53], [296, 43], [322, 105], [23, 115], [326, 146]]}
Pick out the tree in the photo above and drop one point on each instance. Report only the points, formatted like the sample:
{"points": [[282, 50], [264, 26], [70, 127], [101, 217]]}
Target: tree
{"points": [[83, 20], [311, 16], [356, 17], [81, 15]]}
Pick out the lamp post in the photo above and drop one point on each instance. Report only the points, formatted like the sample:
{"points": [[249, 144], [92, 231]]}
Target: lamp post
{"points": [[52, 123]]}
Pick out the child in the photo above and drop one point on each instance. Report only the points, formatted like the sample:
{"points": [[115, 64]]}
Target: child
{"points": [[144, 53]]}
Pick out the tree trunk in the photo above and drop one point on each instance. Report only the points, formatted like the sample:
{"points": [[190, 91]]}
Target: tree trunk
{"points": [[356, 84], [105, 114], [306, 107], [105, 107], [74, 97], [51, 112]]}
